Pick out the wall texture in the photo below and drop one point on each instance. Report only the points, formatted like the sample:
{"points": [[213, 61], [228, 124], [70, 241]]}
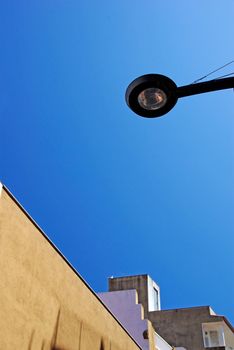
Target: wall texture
{"points": [[183, 327], [124, 306], [139, 282], [44, 303]]}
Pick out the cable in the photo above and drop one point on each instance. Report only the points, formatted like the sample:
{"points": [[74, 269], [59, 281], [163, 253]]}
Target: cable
{"points": [[205, 76], [223, 76]]}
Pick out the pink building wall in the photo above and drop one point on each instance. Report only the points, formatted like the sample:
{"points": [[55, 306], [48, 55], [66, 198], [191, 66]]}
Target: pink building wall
{"points": [[123, 304]]}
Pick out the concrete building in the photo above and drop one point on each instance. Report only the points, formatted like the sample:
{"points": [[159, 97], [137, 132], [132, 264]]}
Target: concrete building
{"points": [[196, 328], [44, 302], [148, 291], [124, 305]]}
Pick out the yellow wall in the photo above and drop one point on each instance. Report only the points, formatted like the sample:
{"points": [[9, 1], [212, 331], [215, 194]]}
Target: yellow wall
{"points": [[44, 304]]}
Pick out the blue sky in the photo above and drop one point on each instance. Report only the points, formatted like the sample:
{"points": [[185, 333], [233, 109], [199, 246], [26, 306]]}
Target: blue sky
{"points": [[117, 193]]}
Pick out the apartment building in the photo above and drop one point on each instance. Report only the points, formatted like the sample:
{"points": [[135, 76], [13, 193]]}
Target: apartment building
{"points": [[194, 328]]}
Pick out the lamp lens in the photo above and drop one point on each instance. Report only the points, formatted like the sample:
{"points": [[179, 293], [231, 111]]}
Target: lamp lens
{"points": [[152, 99]]}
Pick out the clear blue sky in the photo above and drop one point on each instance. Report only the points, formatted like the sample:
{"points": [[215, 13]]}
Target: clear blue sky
{"points": [[117, 193]]}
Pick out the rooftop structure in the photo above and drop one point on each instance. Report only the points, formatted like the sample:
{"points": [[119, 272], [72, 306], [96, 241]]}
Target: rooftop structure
{"points": [[190, 328]]}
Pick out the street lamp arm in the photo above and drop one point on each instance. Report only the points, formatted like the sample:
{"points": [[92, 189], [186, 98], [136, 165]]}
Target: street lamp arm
{"points": [[153, 95], [207, 86]]}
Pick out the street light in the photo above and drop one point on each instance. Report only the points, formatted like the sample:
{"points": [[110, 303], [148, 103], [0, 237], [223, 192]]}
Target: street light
{"points": [[153, 95]]}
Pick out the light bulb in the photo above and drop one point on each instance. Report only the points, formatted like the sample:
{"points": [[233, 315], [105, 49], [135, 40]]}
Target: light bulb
{"points": [[152, 99]]}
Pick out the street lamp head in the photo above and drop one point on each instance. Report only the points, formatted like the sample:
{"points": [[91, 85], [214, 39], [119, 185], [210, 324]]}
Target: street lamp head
{"points": [[151, 95]]}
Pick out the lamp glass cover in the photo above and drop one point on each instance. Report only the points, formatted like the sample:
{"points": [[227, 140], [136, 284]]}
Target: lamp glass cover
{"points": [[152, 99]]}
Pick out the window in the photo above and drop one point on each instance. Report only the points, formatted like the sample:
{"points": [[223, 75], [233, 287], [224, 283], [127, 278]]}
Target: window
{"points": [[211, 338], [153, 295], [214, 338], [155, 299], [213, 335]]}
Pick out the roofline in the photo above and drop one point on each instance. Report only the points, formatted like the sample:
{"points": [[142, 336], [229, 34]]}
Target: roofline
{"points": [[141, 274], [2, 186], [219, 319], [185, 308], [226, 321], [201, 307]]}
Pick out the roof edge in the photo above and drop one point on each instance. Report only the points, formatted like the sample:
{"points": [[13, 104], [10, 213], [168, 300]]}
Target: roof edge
{"points": [[3, 187]]}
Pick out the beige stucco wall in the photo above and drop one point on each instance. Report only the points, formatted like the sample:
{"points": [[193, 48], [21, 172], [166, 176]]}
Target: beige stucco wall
{"points": [[44, 304]]}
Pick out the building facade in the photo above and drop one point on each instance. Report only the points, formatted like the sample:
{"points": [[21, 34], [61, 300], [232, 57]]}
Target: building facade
{"points": [[46, 305], [195, 328], [124, 305], [44, 302]]}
